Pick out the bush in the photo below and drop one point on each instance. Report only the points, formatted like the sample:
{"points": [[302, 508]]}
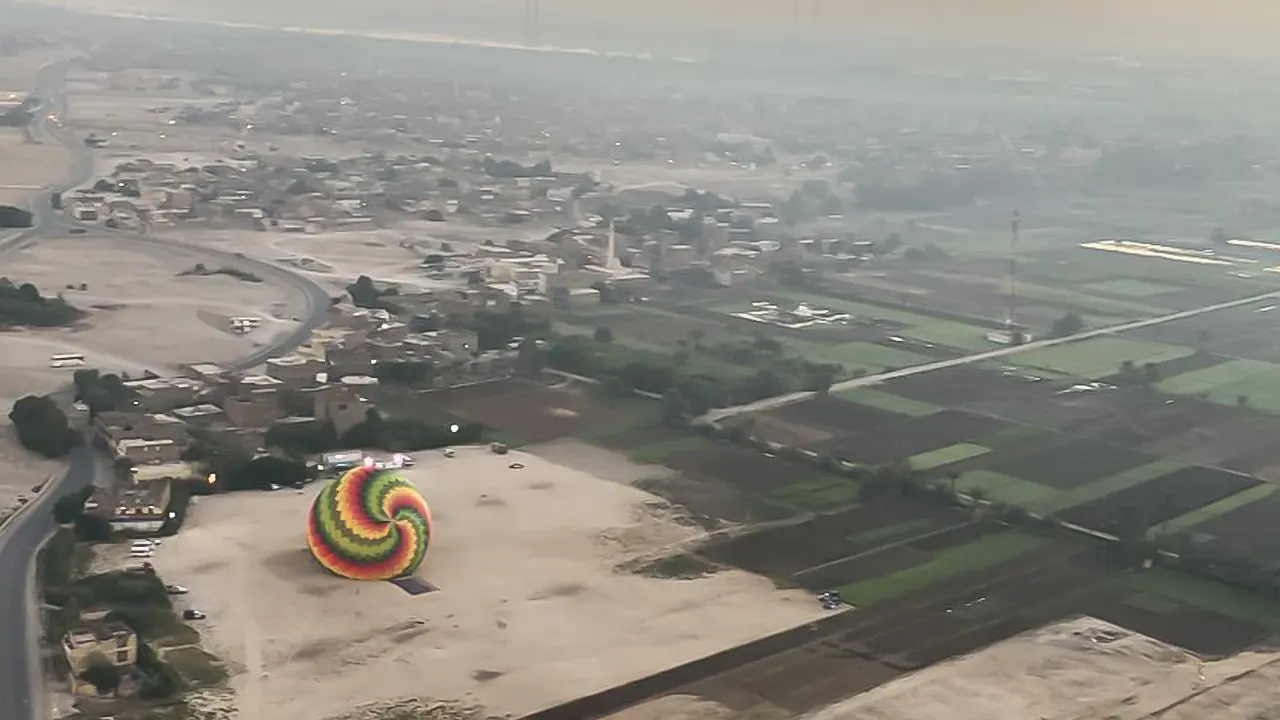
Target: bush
{"points": [[262, 472], [92, 528], [406, 435], [68, 508], [122, 588], [302, 438], [15, 217], [23, 305], [42, 426], [160, 679]]}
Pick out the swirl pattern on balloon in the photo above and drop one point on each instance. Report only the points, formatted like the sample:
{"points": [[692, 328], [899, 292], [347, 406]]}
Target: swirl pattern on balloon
{"points": [[369, 524]]}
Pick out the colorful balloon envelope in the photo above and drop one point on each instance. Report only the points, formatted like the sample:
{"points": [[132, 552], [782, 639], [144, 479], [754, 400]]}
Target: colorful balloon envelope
{"points": [[369, 524]]}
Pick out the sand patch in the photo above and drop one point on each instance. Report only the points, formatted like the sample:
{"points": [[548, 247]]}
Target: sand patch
{"points": [[530, 609], [158, 319]]}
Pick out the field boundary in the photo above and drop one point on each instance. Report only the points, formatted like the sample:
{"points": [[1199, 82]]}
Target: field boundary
{"points": [[810, 570]]}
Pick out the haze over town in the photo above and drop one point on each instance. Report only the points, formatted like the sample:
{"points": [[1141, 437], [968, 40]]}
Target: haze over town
{"points": [[755, 359]]}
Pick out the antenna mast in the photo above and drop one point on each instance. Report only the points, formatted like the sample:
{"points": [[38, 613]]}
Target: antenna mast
{"points": [[532, 21], [1011, 318]]}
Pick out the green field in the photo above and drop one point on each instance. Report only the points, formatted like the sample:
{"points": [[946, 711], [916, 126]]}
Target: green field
{"points": [[906, 530], [881, 400], [822, 494], [1099, 357], [1004, 488], [1132, 287], [1090, 303], [927, 329], [659, 452], [1213, 510], [1255, 381], [946, 456], [1009, 436], [966, 558], [1208, 595], [1105, 486], [864, 356]]}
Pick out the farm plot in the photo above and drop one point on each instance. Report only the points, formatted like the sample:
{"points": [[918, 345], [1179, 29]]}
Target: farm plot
{"points": [[1250, 383], [1132, 287], [782, 552], [918, 436], [1243, 332], [858, 356], [913, 326], [1072, 464], [835, 414], [1162, 498], [656, 326], [748, 469], [1250, 527], [964, 385], [531, 412], [1099, 357], [881, 400]]}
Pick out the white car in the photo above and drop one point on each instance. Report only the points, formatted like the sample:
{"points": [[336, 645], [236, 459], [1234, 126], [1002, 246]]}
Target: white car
{"points": [[141, 554], [175, 590]]}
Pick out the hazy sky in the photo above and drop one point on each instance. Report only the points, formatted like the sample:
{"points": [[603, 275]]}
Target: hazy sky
{"points": [[1113, 26]]}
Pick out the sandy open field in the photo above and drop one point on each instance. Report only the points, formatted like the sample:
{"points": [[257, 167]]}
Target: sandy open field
{"points": [[132, 109], [26, 167], [1082, 668], [143, 314], [530, 609], [336, 259]]}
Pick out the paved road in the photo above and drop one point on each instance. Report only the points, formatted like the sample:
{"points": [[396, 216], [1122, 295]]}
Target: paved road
{"points": [[21, 690], [719, 414]]}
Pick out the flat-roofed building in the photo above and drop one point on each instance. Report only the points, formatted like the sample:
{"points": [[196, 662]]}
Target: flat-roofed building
{"points": [[164, 394], [142, 452], [137, 507], [112, 641], [202, 414], [164, 471], [295, 371]]}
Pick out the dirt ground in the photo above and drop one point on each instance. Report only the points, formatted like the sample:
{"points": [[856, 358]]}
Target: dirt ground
{"points": [[530, 609], [1080, 668], [27, 167], [143, 315]]}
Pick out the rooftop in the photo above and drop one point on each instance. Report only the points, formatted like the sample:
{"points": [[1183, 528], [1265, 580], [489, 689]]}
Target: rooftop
{"points": [[136, 443], [163, 471], [143, 499], [96, 633]]}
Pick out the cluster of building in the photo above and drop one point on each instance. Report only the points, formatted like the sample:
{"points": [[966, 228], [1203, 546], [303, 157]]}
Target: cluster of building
{"points": [[329, 379]]}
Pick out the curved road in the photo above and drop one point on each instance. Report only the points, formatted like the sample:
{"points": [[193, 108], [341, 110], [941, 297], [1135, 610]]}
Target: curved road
{"points": [[21, 686]]}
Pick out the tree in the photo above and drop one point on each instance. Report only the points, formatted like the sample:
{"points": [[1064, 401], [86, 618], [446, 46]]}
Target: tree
{"points": [[1068, 324], [696, 336], [15, 217], [70, 506], [42, 426], [101, 674], [603, 335], [1242, 401], [675, 409], [530, 359], [953, 476], [1130, 528], [1150, 374]]}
